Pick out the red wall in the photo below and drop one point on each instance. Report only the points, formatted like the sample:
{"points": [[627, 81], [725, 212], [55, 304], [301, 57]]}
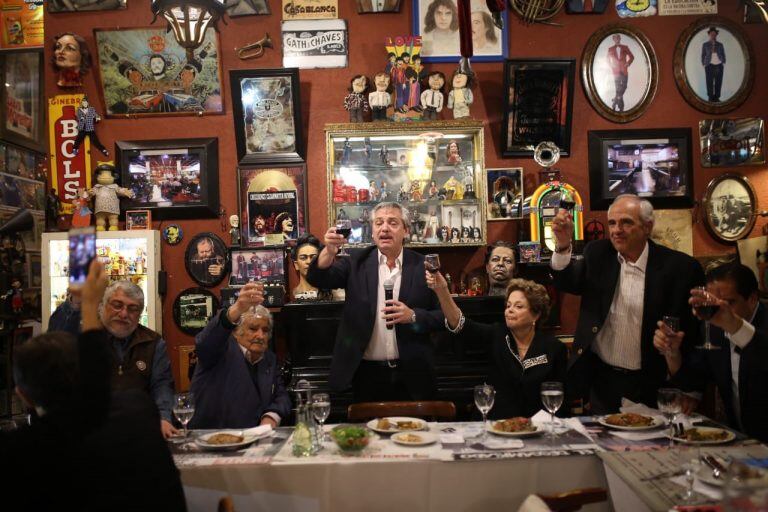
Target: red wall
{"points": [[322, 92]]}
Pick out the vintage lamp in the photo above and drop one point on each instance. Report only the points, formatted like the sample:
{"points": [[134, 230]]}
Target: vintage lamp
{"points": [[189, 19]]}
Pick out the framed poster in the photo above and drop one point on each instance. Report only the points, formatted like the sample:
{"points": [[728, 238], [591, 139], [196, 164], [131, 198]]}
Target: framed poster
{"points": [[728, 142], [437, 23], [538, 105], [246, 7], [22, 107], [730, 204], [273, 205], [207, 259], [505, 193], [174, 179], [267, 111], [315, 44], [21, 24], [262, 264], [193, 308], [144, 72], [85, 5], [714, 65], [655, 164], [619, 72]]}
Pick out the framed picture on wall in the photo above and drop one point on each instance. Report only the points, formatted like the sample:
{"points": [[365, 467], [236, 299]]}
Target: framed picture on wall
{"points": [[21, 98], [207, 259], [619, 72], [267, 112], [246, 7], [144, 72], [730, 204], [85, 5], [273, 205], [538, 105], [174, 179], [728, 142], [505, 193], [257, 264], [655, 164], [714, 65], [193, 308], [437, 22]]}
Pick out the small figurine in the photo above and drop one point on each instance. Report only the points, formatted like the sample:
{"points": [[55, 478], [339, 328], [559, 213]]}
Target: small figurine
{"points": [[81, 216], [466, 234], [380, 99], [52, 206], [17, 300], [431, 226], [71, 58], [384, 155], [342, 215], [368, 148], [355, 102], [383, 192], [416, 191], [86, 127], [365, 224], [477, 235], [404, 193], [455, 235], [432, 190], [346, 152], [432, 99], [105, 194], [452, 152], [234, 230], [374, 191], [460, 98], [443, 234]]}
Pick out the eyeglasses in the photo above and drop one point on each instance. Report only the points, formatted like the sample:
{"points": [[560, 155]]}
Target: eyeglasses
{"points": [[132, 309]]}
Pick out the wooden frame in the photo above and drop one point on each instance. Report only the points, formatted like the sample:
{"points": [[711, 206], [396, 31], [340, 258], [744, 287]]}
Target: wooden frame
{"points": [[737, 74], [654, 163], [138, 219], [599, 64], [144, 72], [538, 105], [191, 193], [266, 105], [731, 142], [730, 207], [505, 187], [22, 101], [188, 304]]}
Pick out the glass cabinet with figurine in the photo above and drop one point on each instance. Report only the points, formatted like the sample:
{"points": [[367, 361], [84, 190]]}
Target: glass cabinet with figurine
{"points": [[434, 169]]}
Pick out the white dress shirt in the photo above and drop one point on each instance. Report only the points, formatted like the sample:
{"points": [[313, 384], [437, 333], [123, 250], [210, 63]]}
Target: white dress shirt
{"points": [[383, 343], [432, 98], [379, 99]]}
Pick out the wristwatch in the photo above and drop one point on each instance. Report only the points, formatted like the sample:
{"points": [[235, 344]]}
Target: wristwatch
{"points": [[413, 318], [564, 249]]}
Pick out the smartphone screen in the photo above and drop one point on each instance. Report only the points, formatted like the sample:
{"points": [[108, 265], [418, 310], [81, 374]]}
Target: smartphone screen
{"points": [[82, 249]]}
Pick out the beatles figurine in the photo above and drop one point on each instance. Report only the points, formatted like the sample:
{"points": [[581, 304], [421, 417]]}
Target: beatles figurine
{"points": [[234, 230], [86, 127], [460, 98], [71, 58], [355, 102], [380, 99], [432, 99]]}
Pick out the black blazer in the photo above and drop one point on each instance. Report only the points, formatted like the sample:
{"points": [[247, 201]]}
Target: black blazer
{"points": [[359, 276], [670, 275], [703, 366]]}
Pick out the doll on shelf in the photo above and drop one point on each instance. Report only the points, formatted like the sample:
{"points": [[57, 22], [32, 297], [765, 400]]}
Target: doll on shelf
{"points": [[460, 98], [81, 215], [432, 191], [373, 191], [432, 98], [355, 102], [431, 226], [106, 195], [452, 154]]}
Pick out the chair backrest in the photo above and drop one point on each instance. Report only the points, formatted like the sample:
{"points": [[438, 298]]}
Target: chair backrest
{"points": [[226, 504], [433, 410], [575, 499]]}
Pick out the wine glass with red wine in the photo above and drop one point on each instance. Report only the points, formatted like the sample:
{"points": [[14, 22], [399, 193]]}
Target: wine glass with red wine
{"points": [[706, 308], [432, 263], [344, 228]]}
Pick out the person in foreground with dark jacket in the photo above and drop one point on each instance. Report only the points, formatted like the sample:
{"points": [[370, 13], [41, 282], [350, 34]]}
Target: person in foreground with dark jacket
{"points": [[87, 447]]}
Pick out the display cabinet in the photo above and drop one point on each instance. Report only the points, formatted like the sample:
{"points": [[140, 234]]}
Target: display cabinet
{"points": [[435, 169]]}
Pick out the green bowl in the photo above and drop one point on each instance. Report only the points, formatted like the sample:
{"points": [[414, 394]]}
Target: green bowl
{"points": [[351, 438]]}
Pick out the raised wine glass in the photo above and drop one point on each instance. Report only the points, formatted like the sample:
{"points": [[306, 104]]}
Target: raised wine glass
{"points": [[184, 409], [670, 406], [432, 263], [552, 395], [672, 324], [321, 408], [706, 308], [484, 398], [344, 228]]}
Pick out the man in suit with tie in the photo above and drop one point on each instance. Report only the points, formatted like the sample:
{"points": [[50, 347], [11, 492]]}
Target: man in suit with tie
{"points": [[619, 58], [713, 60], [383, 348], [432, 98], [739, 365], [236, 383]]}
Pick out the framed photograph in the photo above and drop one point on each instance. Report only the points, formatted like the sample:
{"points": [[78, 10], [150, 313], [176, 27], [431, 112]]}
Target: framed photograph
{"points": [[730, 205], [311, 44], [193, 308], [437, 22], [714, 65], [653, 163], [207, 259], [505, 193], [267, 265], [273, 205], [174, 179], [237, 8], [530, 252], [144, 72], [619, 72], [34, 270], [730, 142], [267, 112], [138, 219], [377, 6], [538, 105], [22, 107], [85, 5]]}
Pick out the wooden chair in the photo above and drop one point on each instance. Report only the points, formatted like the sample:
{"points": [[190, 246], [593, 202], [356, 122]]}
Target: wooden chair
{"points": [[429, 410], [573, 500], [226, 504]]}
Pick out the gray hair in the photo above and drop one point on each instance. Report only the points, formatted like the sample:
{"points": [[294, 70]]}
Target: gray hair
{"points": [[133, 291], [404, 213], [646, 208], [254, 312]]}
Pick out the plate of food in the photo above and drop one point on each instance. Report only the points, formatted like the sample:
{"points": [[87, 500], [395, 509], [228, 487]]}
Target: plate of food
{"points": [[705, 435], [414, 438], [225, 440], [514, 427], [630, 421], [745, 475], [394, 424]]}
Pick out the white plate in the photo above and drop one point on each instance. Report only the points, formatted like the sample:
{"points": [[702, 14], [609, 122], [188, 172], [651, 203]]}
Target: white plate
{"points": [[731, 436], [394, 419], [530, 433], [705, 475], [201, 441], [657, 422], [425, 438]]}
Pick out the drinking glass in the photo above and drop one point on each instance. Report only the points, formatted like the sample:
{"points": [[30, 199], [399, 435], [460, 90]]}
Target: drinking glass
{"points": [[552, 395], [673, 324], [321, 408], [184, 409], [670, 406], [344, 228], [484, 397], [432, 263], [706, 308]]}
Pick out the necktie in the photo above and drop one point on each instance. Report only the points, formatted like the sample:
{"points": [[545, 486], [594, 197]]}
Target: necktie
{"points": [[432, 102]]}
